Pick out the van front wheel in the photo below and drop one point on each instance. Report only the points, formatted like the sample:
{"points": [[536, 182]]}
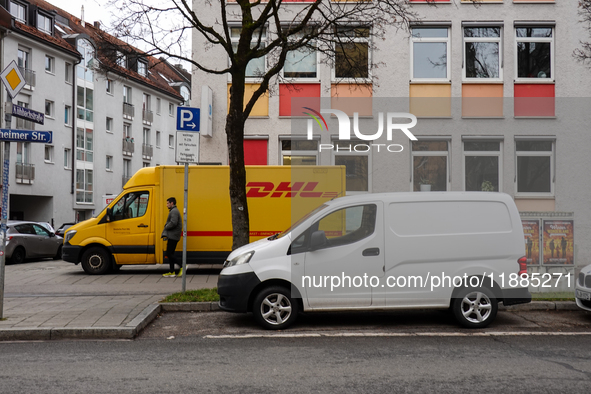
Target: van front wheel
{"points": [[274, 308], [96, 261], [475, 307]]}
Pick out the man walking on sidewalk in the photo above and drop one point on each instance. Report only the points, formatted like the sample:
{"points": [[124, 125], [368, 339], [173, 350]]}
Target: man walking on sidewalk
{"points": [[172, 233]]}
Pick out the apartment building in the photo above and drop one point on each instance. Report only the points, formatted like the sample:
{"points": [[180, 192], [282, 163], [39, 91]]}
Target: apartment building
{"points": [[110, 107], [501, 105]]}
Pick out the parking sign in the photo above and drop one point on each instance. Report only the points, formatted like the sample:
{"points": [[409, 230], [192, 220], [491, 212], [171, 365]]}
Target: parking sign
{"points": [[187, 119]]}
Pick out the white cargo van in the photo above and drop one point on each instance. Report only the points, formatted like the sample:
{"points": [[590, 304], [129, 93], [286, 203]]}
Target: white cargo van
{"points": [[458, 250]]}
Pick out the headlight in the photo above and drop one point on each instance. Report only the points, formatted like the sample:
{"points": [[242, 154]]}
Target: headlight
{"points": [[69, 235], [241, 259]]}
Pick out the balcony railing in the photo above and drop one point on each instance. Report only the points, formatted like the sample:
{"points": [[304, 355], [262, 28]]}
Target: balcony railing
{"points": [[29, 75], [147, 151], [147, 116], [25, 173], [128, 110], [124, 180], [128, 146], [24, 124]]}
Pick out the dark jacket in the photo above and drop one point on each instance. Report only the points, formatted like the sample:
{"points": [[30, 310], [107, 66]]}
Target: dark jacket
{"points": [[174, 225]]}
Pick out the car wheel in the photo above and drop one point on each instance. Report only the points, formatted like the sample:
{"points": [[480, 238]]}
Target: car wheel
{"points": [[475, 307], [96, 261], [274, 308], [58, 255], [18, 255]]}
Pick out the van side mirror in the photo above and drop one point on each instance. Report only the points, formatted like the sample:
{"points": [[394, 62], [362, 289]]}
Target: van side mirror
{"points": [[318, 240], [109, 215]]}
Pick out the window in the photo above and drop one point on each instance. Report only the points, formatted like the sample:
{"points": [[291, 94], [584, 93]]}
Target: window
{"points": [[145, 164], [85, 69], [22, 152], [171, 109], [535, 47], [67, 155], [49, 64], [68, 73], [85, 103], [84, 186], [146, 102], [24, 58], [19, 11], [48, 154], [44, 23], [132, 205], [126, 130], [158, 105], [84, 144], [482, 55], [157, 139], [109, 125], [109, 163], [482, 166], [256, 67], [146, 137], [354, 155], [430, 164], [429, 53], [186, 96], [127, 169], [68, 115], [49, 108], [171, 141], [121, 60], [109, 86], [142, 68], [127, 94], [535, 172], [352, 58], [301, 63], [299, 152]]}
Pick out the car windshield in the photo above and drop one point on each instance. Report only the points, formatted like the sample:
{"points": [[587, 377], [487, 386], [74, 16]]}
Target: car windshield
{"points": [[283, 234]]}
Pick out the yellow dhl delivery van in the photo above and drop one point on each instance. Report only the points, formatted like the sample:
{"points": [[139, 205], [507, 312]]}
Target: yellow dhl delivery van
{"points": [[128, 230]]}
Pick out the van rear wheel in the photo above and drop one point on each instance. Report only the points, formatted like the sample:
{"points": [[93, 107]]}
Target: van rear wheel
{"points": [[274, 308], [96, 261], [475, 307]]}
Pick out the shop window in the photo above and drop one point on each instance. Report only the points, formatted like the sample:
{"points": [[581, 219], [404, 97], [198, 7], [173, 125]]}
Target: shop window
{"points": [[430, 161], [482, 166], [535, 172]]}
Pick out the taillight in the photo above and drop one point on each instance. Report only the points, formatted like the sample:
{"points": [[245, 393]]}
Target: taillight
{"points": [[522, 265]]}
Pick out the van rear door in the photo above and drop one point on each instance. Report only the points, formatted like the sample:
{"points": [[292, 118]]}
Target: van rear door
{"points": [[338, 273], [131, 226]]}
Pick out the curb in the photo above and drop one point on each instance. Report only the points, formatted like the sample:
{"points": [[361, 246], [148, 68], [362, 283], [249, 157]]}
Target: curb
{"points": [[542, 306], [190, 306]]}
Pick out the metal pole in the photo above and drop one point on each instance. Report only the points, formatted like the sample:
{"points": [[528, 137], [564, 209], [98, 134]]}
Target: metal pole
{"points": [[5, 169], [185, 226]]}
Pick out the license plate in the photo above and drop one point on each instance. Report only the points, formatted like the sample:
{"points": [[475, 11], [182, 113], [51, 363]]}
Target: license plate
{"points": [[583, 295]]}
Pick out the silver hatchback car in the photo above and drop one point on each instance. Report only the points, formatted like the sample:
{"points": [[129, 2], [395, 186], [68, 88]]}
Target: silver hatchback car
{"points": [[27, 240]]}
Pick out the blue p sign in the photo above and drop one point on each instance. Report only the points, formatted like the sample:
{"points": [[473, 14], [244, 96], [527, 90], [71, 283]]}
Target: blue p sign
{"points": [[187, 119]]}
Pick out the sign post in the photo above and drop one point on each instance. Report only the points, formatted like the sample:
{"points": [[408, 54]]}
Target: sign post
{"points": [[187, 151]]}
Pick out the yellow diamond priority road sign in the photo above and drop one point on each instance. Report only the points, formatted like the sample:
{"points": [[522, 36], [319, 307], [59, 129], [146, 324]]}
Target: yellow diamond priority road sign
{"points": [[13, 79]]}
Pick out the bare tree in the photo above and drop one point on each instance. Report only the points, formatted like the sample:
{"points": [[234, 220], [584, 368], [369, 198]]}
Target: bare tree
{"points": [[584, 53], [268, 30]]}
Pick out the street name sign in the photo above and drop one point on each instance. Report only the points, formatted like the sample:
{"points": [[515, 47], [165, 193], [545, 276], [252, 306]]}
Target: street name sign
{"points": [[29, 114], [13, 79], [187, 119], [26, 136]]}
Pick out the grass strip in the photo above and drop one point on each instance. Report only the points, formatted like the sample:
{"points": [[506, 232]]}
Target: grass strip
{"points": [[201, 295]]}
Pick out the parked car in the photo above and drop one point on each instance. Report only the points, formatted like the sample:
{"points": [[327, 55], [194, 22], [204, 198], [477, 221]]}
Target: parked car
{"points": [[48, 226], [27, 240], [583, 289], [62, 229]]}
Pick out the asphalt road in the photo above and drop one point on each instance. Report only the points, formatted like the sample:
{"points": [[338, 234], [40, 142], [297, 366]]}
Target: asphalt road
{"points": [[304, 365]]}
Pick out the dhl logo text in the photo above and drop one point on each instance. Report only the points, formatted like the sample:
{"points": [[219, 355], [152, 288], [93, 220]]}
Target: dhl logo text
{"points": [[285, 189]]}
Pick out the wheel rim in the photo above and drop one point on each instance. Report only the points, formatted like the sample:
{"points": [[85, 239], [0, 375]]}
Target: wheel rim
{"points": [[476, 307], [276, 308], [95, 262]]}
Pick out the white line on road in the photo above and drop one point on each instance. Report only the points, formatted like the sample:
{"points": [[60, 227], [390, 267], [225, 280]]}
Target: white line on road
{"points": [[398, 334]]}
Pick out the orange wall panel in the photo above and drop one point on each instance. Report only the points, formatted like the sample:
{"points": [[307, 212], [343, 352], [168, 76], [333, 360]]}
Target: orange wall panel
{"points": [[261, 108], [289, 91], [430, 100], [534, 100], [351, 98], [482, 100]]}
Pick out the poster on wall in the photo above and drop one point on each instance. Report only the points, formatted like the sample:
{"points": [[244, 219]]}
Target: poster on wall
{"points": [[531, 231], [558, 241]]}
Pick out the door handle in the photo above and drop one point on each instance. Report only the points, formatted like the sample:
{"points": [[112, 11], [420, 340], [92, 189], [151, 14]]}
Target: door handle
{"points": [[371, 252], [142, 225]]}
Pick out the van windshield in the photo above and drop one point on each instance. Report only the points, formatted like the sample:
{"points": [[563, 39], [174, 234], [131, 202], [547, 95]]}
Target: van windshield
{"points": [[283, 234]]}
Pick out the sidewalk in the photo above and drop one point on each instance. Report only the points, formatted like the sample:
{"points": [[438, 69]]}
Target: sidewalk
{"points": [[54, 300]]}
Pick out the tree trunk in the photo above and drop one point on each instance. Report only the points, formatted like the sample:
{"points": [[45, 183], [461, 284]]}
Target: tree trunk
{"points": [[234, 133]]}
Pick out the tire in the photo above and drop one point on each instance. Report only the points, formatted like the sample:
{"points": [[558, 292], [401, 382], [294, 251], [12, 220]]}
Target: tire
{"points": [[58, 255], [96, 261], [274, 308], [475, 307], [18, 255]]}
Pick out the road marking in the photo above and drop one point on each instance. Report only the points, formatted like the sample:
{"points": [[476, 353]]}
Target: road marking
{"points": [[398, 334]]}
